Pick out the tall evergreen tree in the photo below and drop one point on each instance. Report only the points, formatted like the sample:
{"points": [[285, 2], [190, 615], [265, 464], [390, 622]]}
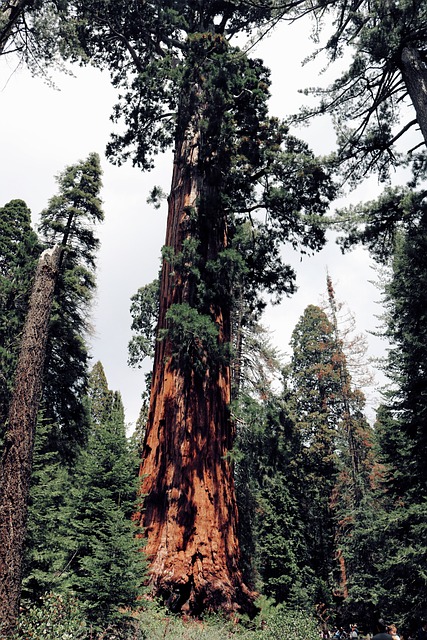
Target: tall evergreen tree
{"points": [[106, 568], [314, 377], [336, 446], [69, 220], [183, 84], [268, 474], [77, 204], [393, 228], [402, 434], [19, 249], [48, 518]]}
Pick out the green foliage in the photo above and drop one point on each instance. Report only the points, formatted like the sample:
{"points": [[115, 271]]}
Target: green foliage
{"points": [[366, 99], [292, 624], [61, 618], [100, 396], [406, 329], [69, 220], [185, 78], [194, 338], [19, 249], [56, 617], [267, 482], [144, 311], [378, 224], [272, 624], [106, 567], [394, 541], [260, 187], [387, 549], [81, 540], [48, 518], [40, 33]]}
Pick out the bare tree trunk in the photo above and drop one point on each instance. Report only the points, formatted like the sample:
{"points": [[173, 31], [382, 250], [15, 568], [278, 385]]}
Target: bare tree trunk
{"points": [[190, 511], [414, 72], [16, 462]]}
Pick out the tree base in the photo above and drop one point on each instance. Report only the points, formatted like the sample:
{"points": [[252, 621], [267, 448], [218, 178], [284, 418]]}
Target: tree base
{"points": [[184, 597]]}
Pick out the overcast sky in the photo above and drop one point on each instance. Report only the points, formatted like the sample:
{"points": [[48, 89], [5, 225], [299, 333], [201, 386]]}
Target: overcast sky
{"points": [[42, 130]]}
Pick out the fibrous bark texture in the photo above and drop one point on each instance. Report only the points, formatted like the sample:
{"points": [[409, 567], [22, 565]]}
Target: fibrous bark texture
{"points": [[190, 512], [16, 463]]}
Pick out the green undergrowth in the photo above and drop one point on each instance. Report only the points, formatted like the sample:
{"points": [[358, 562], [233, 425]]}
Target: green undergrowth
{"points": [[60, 618]]}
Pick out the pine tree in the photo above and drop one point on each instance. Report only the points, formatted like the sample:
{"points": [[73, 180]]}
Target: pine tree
{"points": [[69, 220], [45, 556], [106, 568], [336, 442], [401, 432]]}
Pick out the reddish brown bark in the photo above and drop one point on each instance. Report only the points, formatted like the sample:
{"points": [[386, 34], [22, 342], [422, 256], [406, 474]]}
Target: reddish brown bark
{"points": [[190, 511], [16, 462]]}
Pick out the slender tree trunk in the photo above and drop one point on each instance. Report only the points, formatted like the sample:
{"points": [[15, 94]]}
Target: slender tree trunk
{"points": [[16, 462], [414, 72], [190, 511]]}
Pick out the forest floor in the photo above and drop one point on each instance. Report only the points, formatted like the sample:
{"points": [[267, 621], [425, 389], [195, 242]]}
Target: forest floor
{"points": [[156, 624]]}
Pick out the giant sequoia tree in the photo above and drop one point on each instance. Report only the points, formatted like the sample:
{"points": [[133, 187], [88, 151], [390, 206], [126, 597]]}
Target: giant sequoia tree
{"points": [[183, 84]]}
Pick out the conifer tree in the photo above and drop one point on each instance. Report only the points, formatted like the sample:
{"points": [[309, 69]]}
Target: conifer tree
{"points": [[19, 250], [45, 556], [70, 220], [267, 479], [186, 85], [181, 83], [386, 45], [336, 446], [76, 206], [401, 431], [106, 568], [314, 378]]}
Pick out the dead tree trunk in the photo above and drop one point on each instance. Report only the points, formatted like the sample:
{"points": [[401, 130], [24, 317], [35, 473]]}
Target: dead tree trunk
{"points": [[190, 511], [16, 462]]}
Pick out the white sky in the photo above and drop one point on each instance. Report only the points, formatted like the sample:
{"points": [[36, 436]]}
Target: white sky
{"points": [[42, 130]]}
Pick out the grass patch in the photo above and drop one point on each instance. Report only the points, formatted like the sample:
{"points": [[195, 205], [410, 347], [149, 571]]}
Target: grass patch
{"points": [[59, 618]]}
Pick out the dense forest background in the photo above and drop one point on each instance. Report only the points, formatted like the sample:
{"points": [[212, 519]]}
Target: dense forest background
{"points": [[125, 191], [331, 505]]}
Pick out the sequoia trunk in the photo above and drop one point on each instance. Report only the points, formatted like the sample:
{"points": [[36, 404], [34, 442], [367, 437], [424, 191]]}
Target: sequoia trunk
{"points": [[16, 463], [190, 512]]}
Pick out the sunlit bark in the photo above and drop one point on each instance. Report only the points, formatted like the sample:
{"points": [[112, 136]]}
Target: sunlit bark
{"points": [[190, 511]]}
